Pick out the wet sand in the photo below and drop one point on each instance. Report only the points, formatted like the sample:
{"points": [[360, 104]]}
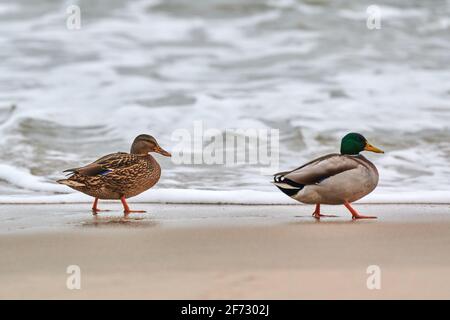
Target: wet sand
{"points": [[249, 252]]}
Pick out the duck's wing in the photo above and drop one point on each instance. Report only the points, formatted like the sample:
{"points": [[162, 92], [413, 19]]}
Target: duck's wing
{"points": [[316, 171], [106, 164]]}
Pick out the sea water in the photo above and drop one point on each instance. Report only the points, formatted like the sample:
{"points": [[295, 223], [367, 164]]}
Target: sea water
{"points": [[313, 70]]}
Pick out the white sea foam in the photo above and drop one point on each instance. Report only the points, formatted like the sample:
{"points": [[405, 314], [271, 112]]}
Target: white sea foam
{"points": [[314, 71], [23, 179], [241, 197]]}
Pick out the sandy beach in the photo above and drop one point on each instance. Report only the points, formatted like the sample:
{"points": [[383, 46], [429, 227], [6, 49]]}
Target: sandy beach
{"points": [[224, 252], [232, 115]]}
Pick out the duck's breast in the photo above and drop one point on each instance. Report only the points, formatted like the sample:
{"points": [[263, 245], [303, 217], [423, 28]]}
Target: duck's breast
{"points": [[144, 179]]}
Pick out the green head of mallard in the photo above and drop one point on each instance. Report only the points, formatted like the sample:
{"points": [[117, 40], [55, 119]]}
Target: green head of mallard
{"points": [[353, 143], [144, 143]]}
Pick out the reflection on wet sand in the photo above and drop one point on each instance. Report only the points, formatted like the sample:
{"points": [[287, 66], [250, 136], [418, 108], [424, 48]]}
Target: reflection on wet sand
{"points": [[134, 221]]}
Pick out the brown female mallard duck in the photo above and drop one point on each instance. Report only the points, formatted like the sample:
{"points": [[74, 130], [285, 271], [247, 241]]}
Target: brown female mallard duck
{"points": [[119, 175], [334, 178]]}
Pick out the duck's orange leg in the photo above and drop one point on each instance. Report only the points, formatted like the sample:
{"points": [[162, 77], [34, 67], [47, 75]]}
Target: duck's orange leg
{"points": [[126, 208], [317, 213], [95, 209], [355, 214]]}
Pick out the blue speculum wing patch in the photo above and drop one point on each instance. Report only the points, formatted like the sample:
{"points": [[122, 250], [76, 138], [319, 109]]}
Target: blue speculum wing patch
{"points": [[105, 172]]}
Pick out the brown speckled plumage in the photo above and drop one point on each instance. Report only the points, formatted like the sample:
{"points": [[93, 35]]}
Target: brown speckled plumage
{"points": [[119, 175]]}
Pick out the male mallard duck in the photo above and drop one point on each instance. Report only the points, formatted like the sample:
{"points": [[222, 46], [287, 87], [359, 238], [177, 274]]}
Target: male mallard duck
{"points": [[334, 178], [119, 175]]}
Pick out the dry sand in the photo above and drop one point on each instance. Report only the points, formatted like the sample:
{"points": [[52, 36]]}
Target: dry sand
{"points": [[232, 252]]}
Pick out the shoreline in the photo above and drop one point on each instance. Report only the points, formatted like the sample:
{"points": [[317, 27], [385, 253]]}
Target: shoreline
{"points": [[220, 203], [224, 252], [231, 197], [29, 218]]}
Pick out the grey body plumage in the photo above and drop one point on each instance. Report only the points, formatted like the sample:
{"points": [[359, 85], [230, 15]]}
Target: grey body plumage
{"points": [[331, 179], [335, 178]]}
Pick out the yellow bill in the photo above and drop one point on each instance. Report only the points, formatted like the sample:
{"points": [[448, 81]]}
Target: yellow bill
{"points": [[370, 147]]}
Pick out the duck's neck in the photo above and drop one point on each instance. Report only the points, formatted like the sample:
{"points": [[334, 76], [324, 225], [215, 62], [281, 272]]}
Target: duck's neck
{"points": [[351, 154], [144, 155]]}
